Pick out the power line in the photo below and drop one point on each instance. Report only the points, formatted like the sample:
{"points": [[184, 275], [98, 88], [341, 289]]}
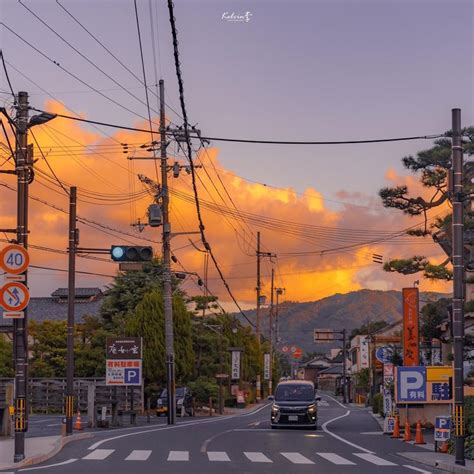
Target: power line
{"points": [[65, 270], [7, 76]]}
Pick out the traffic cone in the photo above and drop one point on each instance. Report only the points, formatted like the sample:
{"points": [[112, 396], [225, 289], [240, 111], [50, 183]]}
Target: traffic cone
{"points": [[419, 434], [396, 428], [443, 447], [407, 434], [78, 424]]}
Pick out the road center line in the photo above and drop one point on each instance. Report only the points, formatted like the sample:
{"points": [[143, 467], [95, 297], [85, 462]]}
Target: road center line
{"points": [[340, 438]]}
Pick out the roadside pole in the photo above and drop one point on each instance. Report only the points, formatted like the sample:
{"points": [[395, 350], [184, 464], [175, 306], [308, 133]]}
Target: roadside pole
{"points": [[257, 322], [69, 408], [167, 290], [458, 284], [20, 336], [344, 370], [270, 380]]}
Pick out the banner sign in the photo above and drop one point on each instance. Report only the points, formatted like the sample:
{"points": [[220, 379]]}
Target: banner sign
{"points": [[423, 385], [124, 348], [442, 428], [364, 352], [411, 356], [266, 366], [387, 402], [235, 369], [387, 374]]}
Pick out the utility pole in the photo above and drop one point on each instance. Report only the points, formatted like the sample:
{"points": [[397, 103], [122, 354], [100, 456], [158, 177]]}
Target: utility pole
{"points": [[279, 291], [69, 408], [270, 380], [167, 290], [458, 283], [20, 344], [257, 322], [344, 370]]}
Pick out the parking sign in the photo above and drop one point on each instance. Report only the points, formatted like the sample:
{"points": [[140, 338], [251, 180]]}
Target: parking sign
{"points": [[410, 384], [442, 428]]}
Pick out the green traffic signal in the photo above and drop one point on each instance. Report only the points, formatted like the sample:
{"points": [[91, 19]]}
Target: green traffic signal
{"points": [[130, 253]]}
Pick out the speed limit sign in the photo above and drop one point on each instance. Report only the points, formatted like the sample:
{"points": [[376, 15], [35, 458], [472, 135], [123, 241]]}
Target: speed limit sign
{"points": [[14, 259]]}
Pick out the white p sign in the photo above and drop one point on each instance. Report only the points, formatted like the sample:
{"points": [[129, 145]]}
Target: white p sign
{"points": [[410, 381], [411, 384]]}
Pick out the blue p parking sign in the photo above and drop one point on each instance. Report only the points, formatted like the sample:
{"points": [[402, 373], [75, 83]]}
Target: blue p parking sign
{"points": [[411, 384], [132, 376], [442, 428]]}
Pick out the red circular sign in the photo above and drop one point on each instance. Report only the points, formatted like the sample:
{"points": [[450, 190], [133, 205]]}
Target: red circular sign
{"points": [[14, 296], [298, 352], [14, 259], [285, 349]]}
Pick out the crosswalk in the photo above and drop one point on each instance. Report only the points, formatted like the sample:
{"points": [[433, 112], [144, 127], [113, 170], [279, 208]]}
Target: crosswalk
{"points": [[350, 459]]}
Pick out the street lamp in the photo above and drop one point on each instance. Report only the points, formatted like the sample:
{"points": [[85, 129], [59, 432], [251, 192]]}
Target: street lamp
{"points": [[41, 119]]}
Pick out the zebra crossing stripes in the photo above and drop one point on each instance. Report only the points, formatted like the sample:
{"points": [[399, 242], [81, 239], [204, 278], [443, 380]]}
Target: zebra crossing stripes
{"points": [[374, 459], [336, 459], [297, 458], [138, 455], [257, 457], [218, 456], [99, 454], [178, 456]]}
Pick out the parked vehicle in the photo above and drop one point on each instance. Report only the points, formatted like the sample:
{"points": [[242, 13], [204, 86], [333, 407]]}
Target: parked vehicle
{"points": [[184, 402], [295, 404]]}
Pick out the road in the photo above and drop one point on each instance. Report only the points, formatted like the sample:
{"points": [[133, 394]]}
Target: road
{"points": [[347, 441]]}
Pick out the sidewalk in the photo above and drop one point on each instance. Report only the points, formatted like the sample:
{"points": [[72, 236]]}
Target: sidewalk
{"points": [[37, 450]]}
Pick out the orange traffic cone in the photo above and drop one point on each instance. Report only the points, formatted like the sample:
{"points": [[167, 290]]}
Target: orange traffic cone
{"points": [[78, 424], [396, 428], [407, 434], [419, 434], [443, 447]]}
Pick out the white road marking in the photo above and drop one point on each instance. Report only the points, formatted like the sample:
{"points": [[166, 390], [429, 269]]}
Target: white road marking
{"points": [[180, 425], [340, 438], [178, 456], [257, 457], [336, 459], [297, 458], [334, 400], [69, 461], [138, 455], [217, 456], [374, 459], [99, 454], [55, 424], [372, 433], [417, 469]]}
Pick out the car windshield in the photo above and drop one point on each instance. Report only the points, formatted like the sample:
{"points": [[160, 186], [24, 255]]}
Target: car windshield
{"points": [[179, 392], [294, 393]]}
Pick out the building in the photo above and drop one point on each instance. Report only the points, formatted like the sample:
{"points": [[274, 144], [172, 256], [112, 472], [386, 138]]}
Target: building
{"points": [[87, 301]]}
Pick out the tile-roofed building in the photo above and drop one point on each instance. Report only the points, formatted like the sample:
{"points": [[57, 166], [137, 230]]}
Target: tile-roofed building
{"points": [[54, 307]]}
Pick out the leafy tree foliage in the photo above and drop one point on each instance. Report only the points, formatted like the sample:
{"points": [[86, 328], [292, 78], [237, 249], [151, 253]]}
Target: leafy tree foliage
{"points": [[6, 358], [432, 165], [369, 328]]}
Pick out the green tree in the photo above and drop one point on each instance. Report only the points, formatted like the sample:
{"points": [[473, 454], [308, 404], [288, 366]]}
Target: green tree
{"points": [[369, 328], [432, 165], [432, 315], [6, 358]]}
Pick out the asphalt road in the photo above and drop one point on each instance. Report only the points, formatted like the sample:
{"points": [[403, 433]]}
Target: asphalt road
{"points": [[348, 440]]}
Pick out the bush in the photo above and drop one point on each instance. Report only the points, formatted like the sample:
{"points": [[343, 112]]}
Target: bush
{"points": [[203, 388], [377, 403]]}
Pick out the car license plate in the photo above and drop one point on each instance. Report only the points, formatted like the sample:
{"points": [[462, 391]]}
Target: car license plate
{"points": [[293, 418]]}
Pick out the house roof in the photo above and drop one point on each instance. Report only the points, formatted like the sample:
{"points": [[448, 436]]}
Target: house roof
{"points": [[79, 292], [334, 370]]}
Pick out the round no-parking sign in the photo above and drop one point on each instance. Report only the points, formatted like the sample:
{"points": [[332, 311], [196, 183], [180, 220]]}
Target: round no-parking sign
{"points": [[14, 296], [14, 259]]}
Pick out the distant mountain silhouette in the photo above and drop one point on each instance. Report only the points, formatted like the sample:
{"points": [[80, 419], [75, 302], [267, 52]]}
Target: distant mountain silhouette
{"points": [[351, 310]]}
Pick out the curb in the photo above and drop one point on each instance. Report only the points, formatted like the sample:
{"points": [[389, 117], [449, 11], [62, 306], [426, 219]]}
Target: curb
{"points": [[438, 463], [58, 445]]}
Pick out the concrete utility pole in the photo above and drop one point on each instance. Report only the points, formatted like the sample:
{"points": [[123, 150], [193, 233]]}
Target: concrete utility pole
{"points": [[257, 322], [20, 339], [69, 408], [270, 380], [458, 283], [167, 290], [279, 291], [344, 370]]}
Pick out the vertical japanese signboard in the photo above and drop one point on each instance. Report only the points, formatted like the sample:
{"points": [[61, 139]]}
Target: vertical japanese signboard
{"points": [[364, 352], [235, 369], [266, 366], [123, 361], [411, 356]]}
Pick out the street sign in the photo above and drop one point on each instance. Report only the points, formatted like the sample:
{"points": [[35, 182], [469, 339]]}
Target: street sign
{"points": [[124, 348], [235, 368], [13, 315], [384, 354], [285, 349], [411, 384], [222, 376], [442, 428], [297, 353], [389, 424], [323, 335], [14, 259], [387, 401], [387, 374], [266, 366], [123, 372], [14, 296]]}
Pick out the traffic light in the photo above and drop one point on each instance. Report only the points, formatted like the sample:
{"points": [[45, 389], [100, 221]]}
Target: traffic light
{"points": [[130, 253]]}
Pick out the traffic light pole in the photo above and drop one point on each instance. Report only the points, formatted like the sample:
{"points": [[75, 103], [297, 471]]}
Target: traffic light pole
{"points": [[458, 284], [20, 344], [167, 290], [69, 408]]}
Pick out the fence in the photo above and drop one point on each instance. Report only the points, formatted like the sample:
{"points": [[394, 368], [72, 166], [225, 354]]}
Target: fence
{"points": [[47, 395]]}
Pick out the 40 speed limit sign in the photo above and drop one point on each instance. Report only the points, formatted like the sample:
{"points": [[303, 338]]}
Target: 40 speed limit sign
{"points": [[14, 259]]}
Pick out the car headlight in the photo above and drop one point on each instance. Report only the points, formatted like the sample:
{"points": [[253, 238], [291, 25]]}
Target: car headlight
{"points": [[275, 408], [312, 409]]}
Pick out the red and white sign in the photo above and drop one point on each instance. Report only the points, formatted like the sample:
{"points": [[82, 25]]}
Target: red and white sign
{"points": [[285, 349], [14, 259], [293, 349], [13, 315], [298, 352], [14, 296]]}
